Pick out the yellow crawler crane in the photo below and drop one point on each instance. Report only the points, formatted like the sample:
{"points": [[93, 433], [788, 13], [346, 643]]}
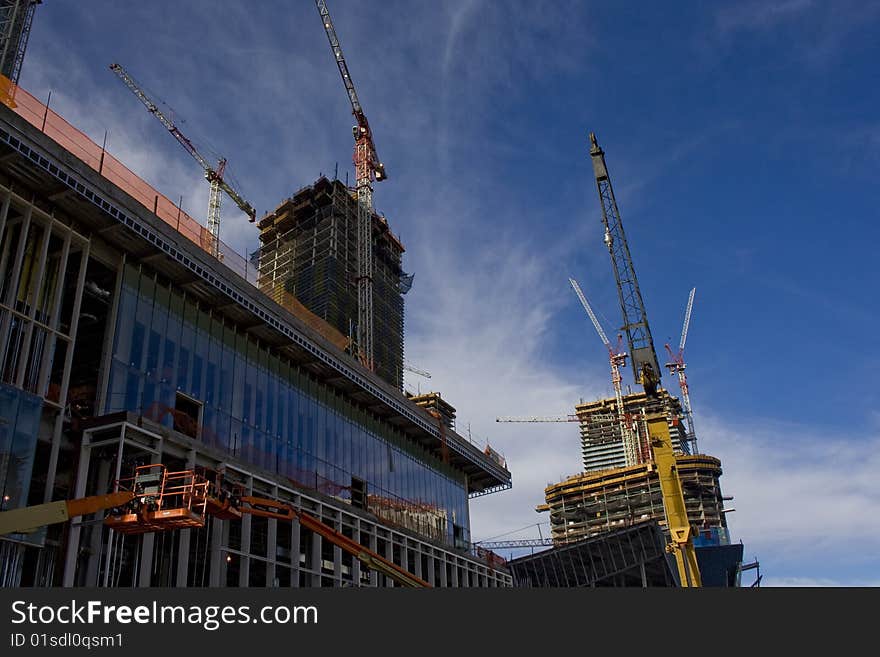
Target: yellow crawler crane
{"points": [[681, 534]]}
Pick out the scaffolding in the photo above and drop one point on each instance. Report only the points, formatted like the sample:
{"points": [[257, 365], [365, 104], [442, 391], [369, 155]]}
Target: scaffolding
{"points": [[591, 503], [308, 253], [432, 401]]}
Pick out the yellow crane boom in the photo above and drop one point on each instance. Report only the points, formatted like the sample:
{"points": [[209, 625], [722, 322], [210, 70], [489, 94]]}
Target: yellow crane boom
{"points": [[682, 542]]}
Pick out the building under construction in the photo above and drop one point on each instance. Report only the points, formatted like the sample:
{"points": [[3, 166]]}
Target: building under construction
{"points": [[593, 502], [267, 455], [638, 465], [603, 443], [607, 509], [308, 253]]}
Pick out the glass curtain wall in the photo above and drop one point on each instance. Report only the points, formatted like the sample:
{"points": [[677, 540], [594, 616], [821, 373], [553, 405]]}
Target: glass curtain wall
{"points": [[268, 412]]}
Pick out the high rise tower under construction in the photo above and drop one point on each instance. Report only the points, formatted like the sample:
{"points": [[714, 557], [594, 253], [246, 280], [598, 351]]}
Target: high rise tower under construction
{"points": [[308, 251]]}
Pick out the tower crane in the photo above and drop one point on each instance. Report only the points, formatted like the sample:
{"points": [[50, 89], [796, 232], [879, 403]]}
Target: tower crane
{"points": [[535, 418], [368, 167], [677, 366], [617, 359], [415, 370], [214, 175], [646, 369]]}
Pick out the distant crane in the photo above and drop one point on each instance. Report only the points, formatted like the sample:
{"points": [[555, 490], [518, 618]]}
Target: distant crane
{"points": [[214, 175], [677, 366], [367, 168], [617, 359], [646, 369], [535, 418], [416, 370]]}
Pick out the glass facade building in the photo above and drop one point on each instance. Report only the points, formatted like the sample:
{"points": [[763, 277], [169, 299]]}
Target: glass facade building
{"points": [[125, 342], [268, 412]]}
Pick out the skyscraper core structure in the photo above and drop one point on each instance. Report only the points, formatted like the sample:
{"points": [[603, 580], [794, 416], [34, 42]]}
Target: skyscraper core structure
{"points": [[308, 249]]}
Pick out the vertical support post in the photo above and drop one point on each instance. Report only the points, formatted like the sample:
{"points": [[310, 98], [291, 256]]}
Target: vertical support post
{"points": [[389, 554], [418, 562], [103, 396], [73, 534], [271, 545], [337, 557], [218, 563], [355, 563], [46, 112], [374, 576], [315, 565], [244, 572], [185, 536], [31, 300], [4, 214], [431, 568], [294, 552], [65, 377], [55, 319], [9, 300], [148, 543]]}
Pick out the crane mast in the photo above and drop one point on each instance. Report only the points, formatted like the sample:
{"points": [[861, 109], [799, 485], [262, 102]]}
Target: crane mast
{"points": [[617, 359], [646, 369], [367, 168], [214, 175]]}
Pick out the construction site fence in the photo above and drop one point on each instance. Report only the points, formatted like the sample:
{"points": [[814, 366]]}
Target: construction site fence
{"points": [[54, 126]]}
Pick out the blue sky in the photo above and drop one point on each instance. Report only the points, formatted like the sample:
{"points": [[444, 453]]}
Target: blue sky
{"points": [[743, 142]]}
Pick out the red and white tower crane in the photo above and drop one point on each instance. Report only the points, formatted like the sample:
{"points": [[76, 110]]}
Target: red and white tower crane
{"points": [[617, 358], [367, 168], [677, 366], [214, 175]]}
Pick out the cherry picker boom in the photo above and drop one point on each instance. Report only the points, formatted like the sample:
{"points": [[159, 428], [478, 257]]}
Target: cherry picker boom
{"points": [[156, 500]]}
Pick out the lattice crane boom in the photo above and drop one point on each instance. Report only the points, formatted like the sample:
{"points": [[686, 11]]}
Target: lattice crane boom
{"points": [[646, 368], [415, 370], [617, 359], [687, 321], [536, 418], [367, 168], [214, 175], [589, 309]]}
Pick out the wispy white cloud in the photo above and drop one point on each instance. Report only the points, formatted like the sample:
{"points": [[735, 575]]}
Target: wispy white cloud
{"points": [[803, 499], [760, 15], [820, 28]]}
